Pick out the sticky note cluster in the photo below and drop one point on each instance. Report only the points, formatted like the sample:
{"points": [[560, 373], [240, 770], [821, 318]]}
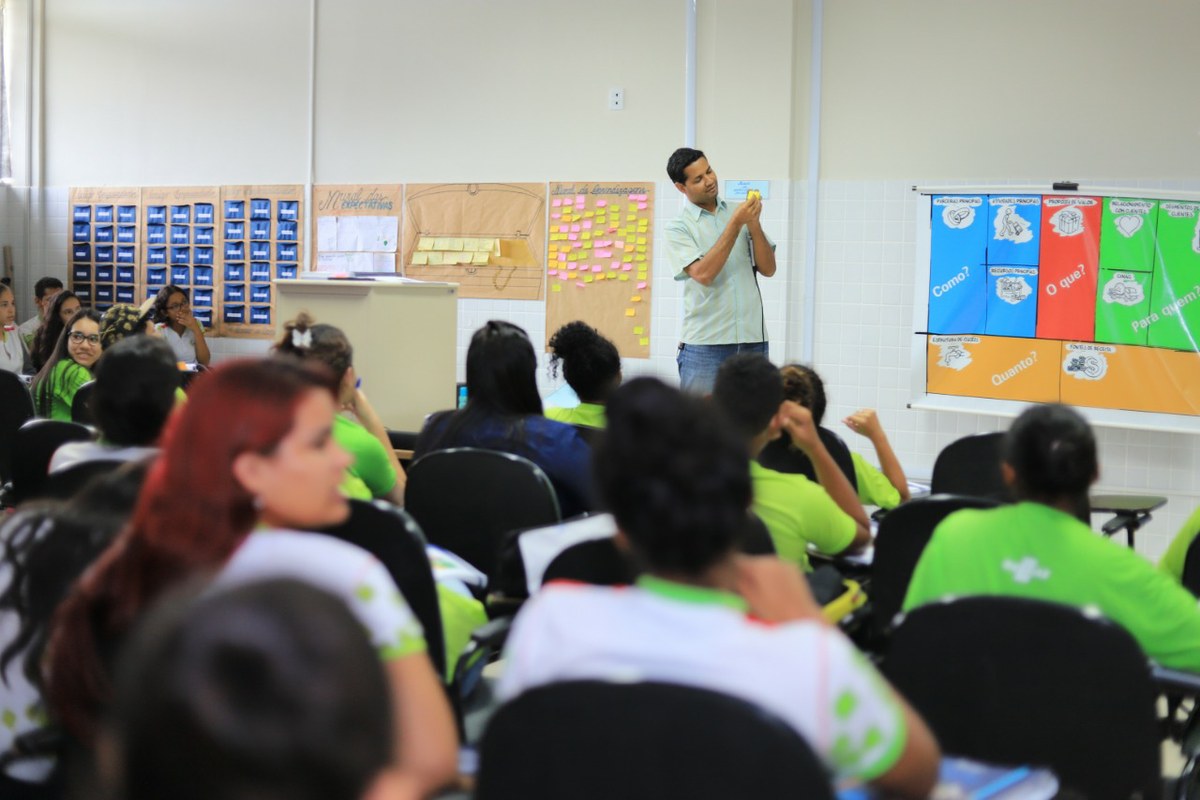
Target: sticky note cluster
{"points": [[453, 250]]}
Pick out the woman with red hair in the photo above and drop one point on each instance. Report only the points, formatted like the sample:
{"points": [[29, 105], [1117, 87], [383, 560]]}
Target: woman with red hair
{"points": [[247, 463]]}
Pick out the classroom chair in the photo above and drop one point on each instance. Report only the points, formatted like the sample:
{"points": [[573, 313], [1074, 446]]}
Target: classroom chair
{"points": [[65, 483], [81, 404], [1015, 681], [899, 542], [33, 447], [16, 407], [1191, 567], [467, 499], [971, 466], [591, 740], [780, 456]]}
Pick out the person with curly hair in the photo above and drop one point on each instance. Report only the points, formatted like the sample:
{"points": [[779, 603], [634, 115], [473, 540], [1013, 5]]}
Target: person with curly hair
{"points": [[179, 326], [591, 366]]}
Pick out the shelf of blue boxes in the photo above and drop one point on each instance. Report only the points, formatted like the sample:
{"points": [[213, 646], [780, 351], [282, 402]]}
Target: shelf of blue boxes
{"points": [[261, 244], [103, 246], [181, 250]]}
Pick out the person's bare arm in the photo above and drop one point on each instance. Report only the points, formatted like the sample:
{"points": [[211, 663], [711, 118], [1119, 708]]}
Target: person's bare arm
{"points": [[203, 356], [705, 269], [365, 412], [797, 422], [915, 773], [775, 590], [426, 738], [866, 422]]}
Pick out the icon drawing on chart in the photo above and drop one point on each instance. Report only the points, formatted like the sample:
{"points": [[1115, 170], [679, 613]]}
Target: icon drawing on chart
{"points": [[958, 216], [1011, 226], [1013, 290], [1125, 290], [1067, 221], [954, 356], [1128, 224], [1086, 366]]}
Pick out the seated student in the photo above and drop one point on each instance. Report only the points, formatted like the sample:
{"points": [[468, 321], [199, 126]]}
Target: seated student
{"points": [[305, 715], [248, 463], [678, 484], [136, 382], [1175, 558], [886, 489], [1040, 548], [121, 321], [14, 356], [62, 309], [176, 323], [592, 367], [504, 413], [69, 366], [44, 291], [376, 471], [797, 512]]}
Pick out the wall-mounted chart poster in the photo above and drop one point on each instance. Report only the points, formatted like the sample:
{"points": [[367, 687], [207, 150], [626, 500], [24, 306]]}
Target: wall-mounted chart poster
{"points": [[356, 228], [181, 240], [490, 238], [102, 245], [1110, 278], [262, 234], [599, 261]]}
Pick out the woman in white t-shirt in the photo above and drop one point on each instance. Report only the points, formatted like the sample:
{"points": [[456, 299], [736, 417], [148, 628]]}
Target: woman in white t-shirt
{"points": [[246, 465], [702, 615], [172, 315]]}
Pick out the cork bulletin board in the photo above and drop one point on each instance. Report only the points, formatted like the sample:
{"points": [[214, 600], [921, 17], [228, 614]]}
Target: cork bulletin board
{"points": [[599, 261], [180, 242], [356, 228], [262, 242], [490, 238], [103, 245]]}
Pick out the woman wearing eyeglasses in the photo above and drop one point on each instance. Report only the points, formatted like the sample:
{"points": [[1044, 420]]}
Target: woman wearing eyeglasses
{"points": [[173, 314], [69, 366]]}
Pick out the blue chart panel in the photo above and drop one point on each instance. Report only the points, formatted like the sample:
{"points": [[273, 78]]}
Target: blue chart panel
{"points": [[1014, 225], [1012, 301], [958, 228], [957, 298]]}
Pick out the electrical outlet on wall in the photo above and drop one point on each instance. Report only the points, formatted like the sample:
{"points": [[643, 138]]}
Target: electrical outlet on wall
{"points": [[616, 99]]}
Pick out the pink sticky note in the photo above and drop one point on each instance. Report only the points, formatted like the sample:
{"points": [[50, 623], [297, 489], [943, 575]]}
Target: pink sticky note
{"points": [[587, 224], [627, 267], [641, 284], [556, 215], [613, 229], [562, 276], [557, 202], [580, 284], [579, 199], [597, 268], [637, 197], [642, 206], [573, 236], [619, 244], [575, 228], [615, 265], [562, 256], [601, 203], [604, 254], [564, 228], [602, 242], [552, 272]]}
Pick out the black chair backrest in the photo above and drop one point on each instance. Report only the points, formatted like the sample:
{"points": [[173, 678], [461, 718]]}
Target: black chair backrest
{"points": [[598, 561], [35, 444], [81, 404], [590, 740], [1017, 681], [1191, 566], [971, 466], [65, 483], [466, 499], [16, 407], [780, 456], [393, 536], [756, 539], [899, 542]]}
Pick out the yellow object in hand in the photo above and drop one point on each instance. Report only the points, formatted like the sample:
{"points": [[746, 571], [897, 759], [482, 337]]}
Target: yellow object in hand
{"points": [[754, 194]]}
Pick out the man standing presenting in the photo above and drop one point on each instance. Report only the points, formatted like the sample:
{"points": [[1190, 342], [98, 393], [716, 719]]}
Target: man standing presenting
{"points": [[44, 292], [719, 251]]}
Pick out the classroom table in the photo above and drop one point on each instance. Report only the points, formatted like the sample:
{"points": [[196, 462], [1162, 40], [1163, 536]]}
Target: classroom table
{"points": [[1132, 511]]}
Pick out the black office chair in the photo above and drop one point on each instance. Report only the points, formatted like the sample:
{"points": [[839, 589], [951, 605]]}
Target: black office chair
{"points": [[780, 456], [899, 542], [590, 740], [467, 499], [1016, 681], [34, 446], [971, 466], [598, 562], [65, 483], [1191, 567], [16, 407], [81, 404]]}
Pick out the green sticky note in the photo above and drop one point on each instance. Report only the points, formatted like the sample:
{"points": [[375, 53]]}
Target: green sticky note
{"points": [[1127, 234], [1123, 306]]}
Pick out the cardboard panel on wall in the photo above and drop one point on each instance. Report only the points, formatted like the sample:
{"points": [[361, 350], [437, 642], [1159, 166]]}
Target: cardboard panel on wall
{"points": [[993, 367], [1131, 378], [263, 241], [182, 238], [103, 245], [600, 260], [356, 228]]}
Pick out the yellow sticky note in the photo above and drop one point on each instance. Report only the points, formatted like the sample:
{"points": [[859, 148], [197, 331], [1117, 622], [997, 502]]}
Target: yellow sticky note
{"points": [[630, 217], [641, 248], [587, 278], [645, 340], [586, 236], [469, 244], [588, 214], [641, 240], [632, 208], [638, 330], [479, 258], [424, 243], [571, 275], [637, 298], [556, 287], [601, 220], [640, 256], [624, 276], [420, 258], [435, 259], [441, 244], [629, 312], [456, 244]]}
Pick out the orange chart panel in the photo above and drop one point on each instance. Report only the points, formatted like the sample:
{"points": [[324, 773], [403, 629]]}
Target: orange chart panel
{"points": [[994, 367], [1130, 377]]}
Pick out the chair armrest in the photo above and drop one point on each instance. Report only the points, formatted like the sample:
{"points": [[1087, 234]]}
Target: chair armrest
{"points": [[1176, 680]]}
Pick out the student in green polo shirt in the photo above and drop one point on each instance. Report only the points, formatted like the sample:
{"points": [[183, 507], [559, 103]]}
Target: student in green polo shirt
{"points": [[797, 512], [592, 368], [1040, 548]]}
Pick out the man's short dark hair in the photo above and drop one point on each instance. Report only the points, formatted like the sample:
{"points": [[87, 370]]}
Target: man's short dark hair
{"points": [[748, 392], [136, 381], [679, 161], [44, 285]]}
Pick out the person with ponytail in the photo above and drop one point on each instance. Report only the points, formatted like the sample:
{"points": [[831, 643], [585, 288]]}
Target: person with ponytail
{"points": [[592, 368], [1042, 547], [69, 365], [248, 463], [679, 487], [376, 471]]}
